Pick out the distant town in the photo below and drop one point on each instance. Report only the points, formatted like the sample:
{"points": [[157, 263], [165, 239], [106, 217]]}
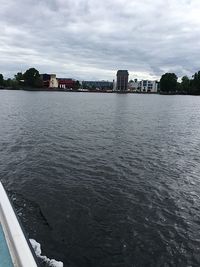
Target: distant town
{"points": [[31, 79]]}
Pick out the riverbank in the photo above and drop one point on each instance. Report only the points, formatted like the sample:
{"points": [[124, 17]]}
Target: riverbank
{"points": [[90, 91], [74, 91]]}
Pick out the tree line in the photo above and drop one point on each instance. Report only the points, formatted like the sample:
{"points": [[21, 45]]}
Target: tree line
{"points": [[30, 78], [169, 84]]}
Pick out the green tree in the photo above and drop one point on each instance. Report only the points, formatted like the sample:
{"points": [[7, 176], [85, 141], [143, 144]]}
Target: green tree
{"points": [[18, 81], [1, 80], [19, 77], [168, 82], [77, 85], [11, 84], [179, 88], [31, 77], [185, 85], [39, 82], [8, 82], [195, 84]]}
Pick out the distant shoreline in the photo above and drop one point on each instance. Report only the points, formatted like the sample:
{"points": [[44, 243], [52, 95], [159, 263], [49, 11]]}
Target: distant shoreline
{"points": [[72, 91], [92, 91]]}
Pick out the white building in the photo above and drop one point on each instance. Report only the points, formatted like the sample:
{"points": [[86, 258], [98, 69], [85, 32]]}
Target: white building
{"points": [[144, 86], [53, 82], [148, 86]]}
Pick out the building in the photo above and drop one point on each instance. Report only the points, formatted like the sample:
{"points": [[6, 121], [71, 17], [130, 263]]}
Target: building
{"points": [[49, 80], [122, 80], [66, 83], [147, 86], [97, 85], [45, 78], [144, 86], [53, 83]]}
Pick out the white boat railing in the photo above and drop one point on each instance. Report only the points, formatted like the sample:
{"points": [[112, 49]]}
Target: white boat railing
{"points": [[19, 249]]}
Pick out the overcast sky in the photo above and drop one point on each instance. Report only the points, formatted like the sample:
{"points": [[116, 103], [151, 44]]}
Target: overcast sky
{"points": [[92, 39]]}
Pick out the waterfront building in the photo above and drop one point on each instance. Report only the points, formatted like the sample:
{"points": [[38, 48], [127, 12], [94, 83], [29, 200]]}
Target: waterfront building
{"points": [[53, 82], [122, 80], [97, 85], [147, 86], [144, 86], [66, 83], [49, 80], [45, 78]]}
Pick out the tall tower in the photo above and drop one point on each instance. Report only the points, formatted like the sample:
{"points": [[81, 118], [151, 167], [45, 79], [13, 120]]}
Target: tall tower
{"points": [[122, 80]]}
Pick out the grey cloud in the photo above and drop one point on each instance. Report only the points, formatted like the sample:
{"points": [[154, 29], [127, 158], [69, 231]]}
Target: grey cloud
{"points": [[92, 39]]}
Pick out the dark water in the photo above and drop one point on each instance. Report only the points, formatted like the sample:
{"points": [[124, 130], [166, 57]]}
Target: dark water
{"points": [[105, 180]]}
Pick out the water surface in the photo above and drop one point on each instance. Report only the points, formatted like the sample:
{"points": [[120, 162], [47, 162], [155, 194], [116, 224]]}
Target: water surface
{"points": [[105, 180]]}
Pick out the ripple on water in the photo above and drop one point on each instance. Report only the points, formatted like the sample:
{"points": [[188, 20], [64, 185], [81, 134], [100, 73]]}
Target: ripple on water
{"points": [[104, 179]]}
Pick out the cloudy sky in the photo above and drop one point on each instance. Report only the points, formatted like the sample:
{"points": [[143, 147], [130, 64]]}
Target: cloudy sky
{"points": [[91, 39]]}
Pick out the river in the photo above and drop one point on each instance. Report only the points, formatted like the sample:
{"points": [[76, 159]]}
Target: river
{"points": [[105, 180]]}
